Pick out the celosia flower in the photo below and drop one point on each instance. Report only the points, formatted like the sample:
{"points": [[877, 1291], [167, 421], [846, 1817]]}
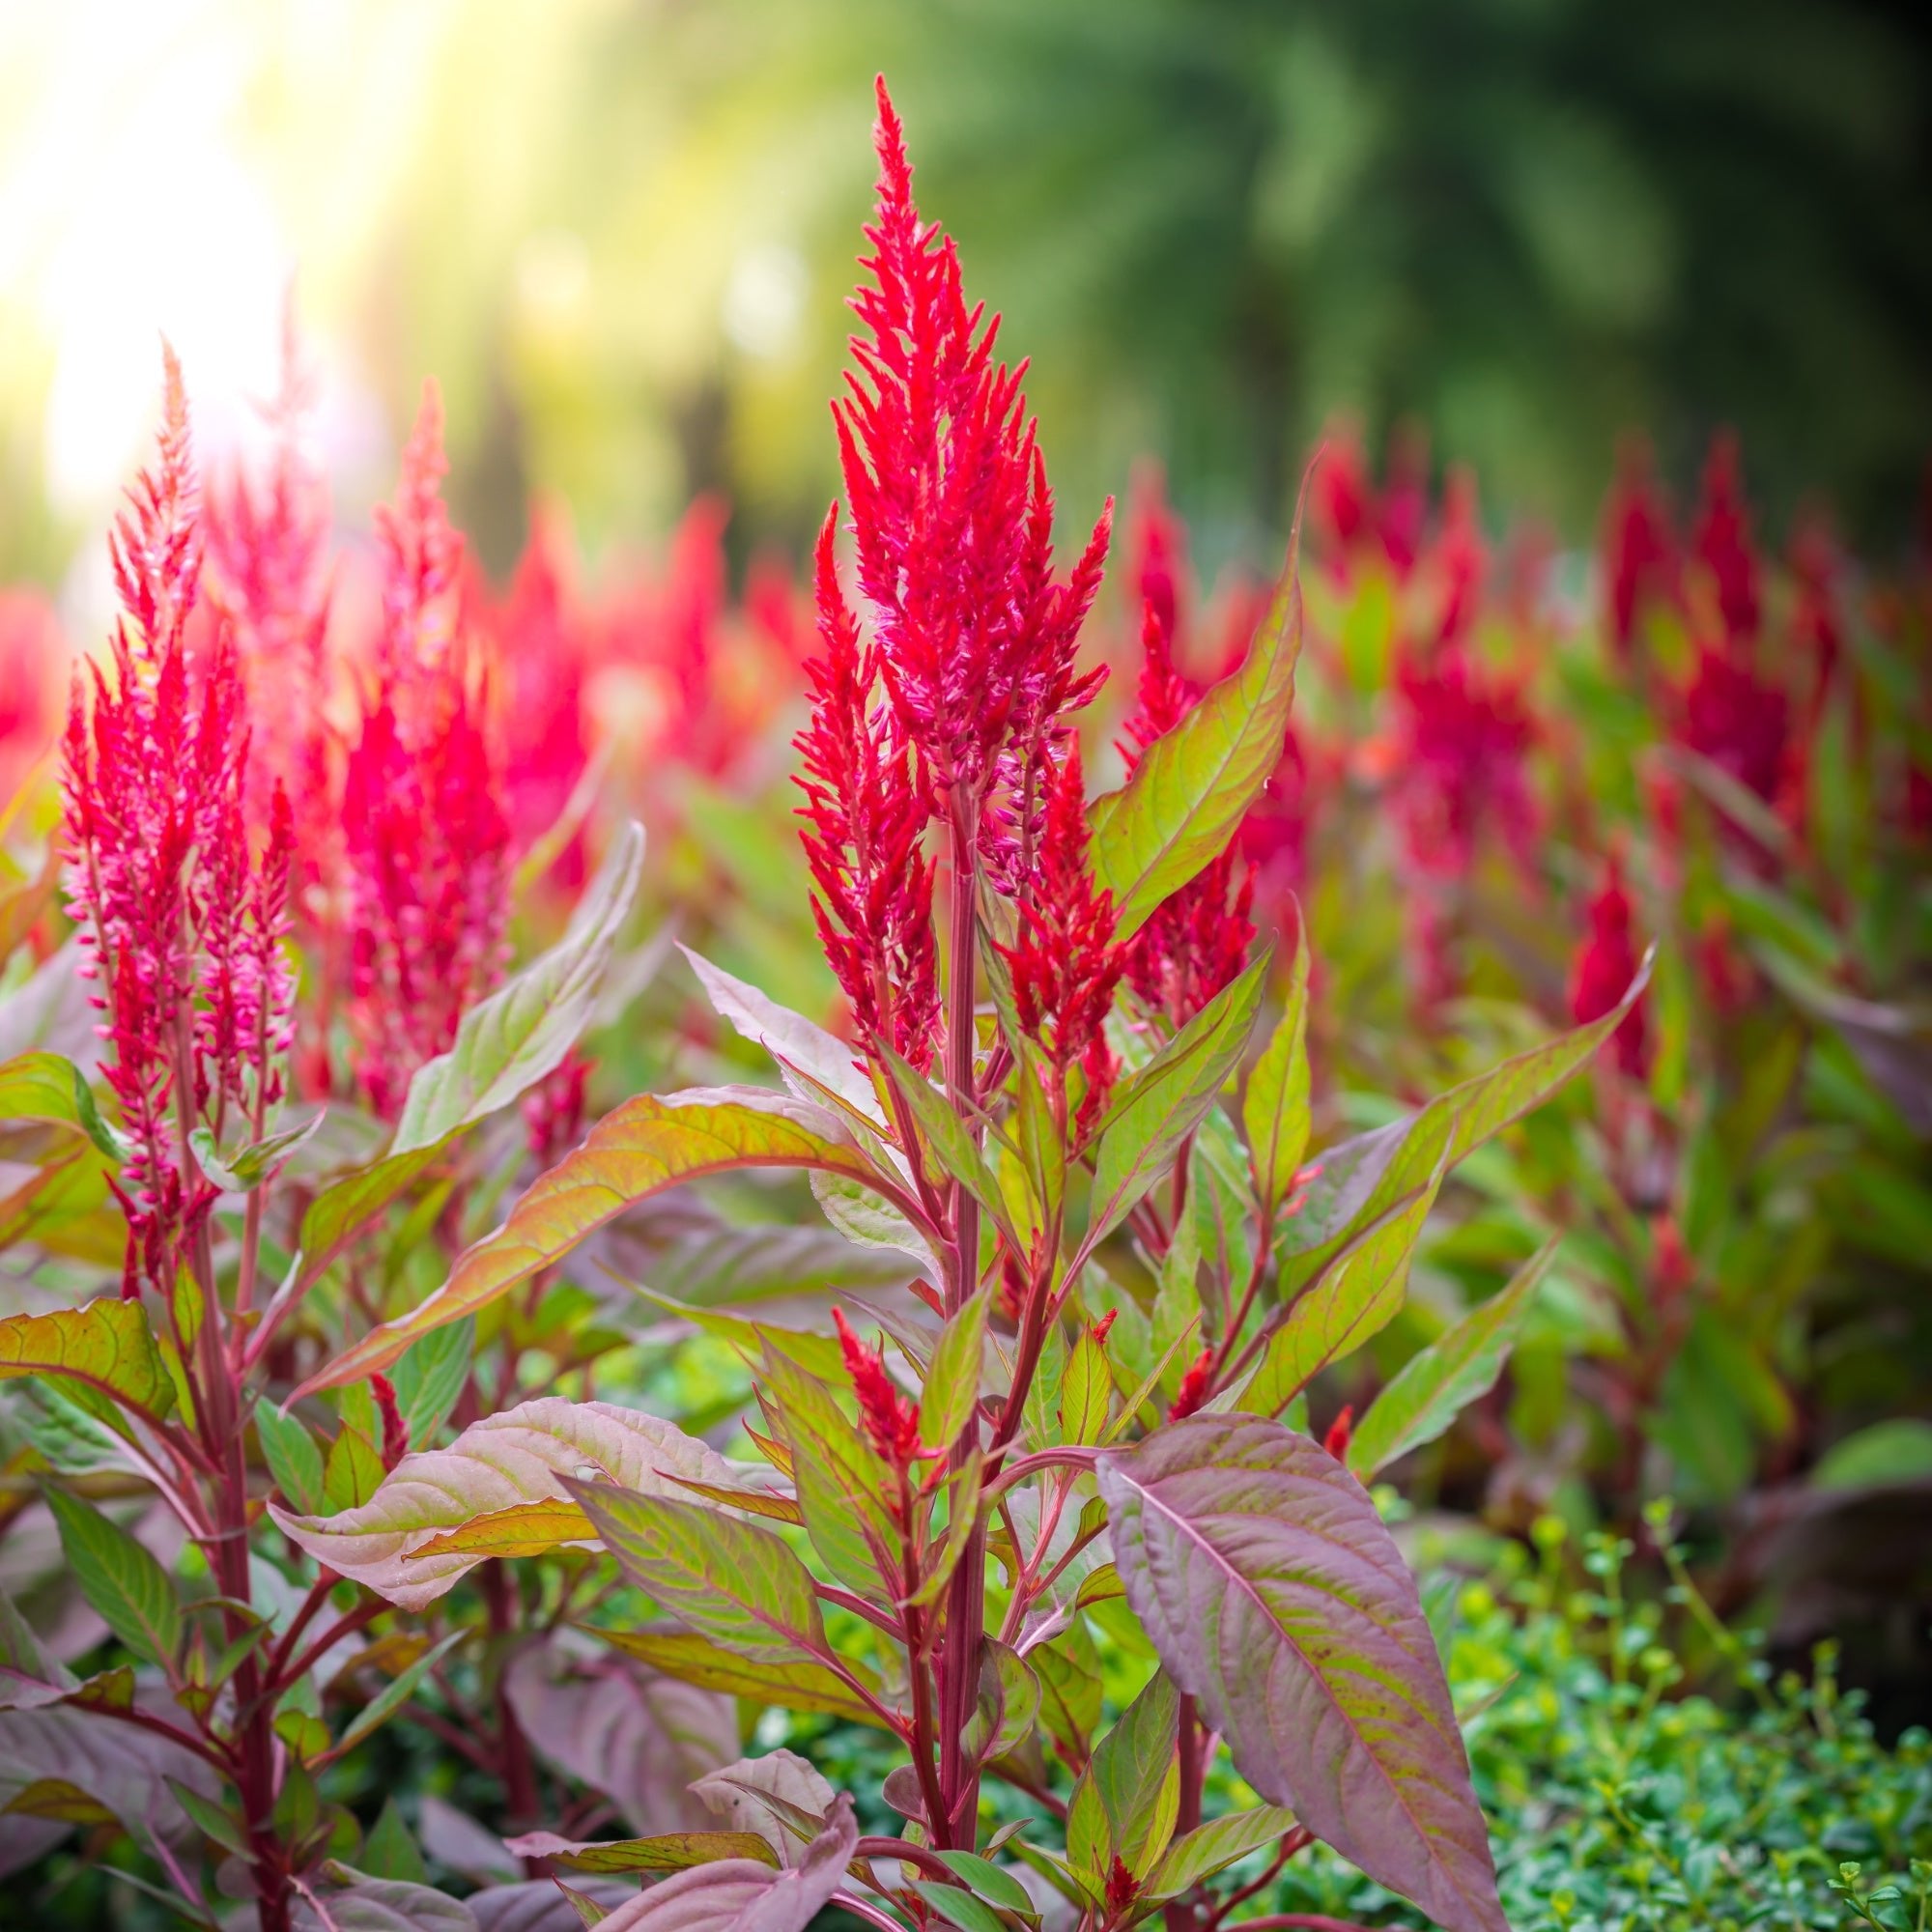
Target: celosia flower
{"points": [[181, 930], [1607, 962], [890, 1420], [553, 1109], [1066, 965], [395, 1443], [1340, 1432], [1720, 545], [1194, 1387], [1639, 551], [866, 813], [425, 839], [267, 542], [953, 518]]}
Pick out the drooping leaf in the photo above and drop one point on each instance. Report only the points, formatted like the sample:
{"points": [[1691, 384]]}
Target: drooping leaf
{"points": [[858, 1214], [781, 1797], [694, 1257], [1433, 1388], [798, 1684], [1362, 1178], [133, 1772], [955, 1905], [798, 1045], [635, 1734], [1165, 1101], [120, 1578], [107, 1344], [743, 1895], [733, 1583], [1275, 1110], [1277, 1597], [521, 1034], [638, 1150], [46, 1105], [1193, 786], [672, 1851], [1359, 1294], [521, 1457], [1125, 1803], [356, 1902], [549, 1905]]}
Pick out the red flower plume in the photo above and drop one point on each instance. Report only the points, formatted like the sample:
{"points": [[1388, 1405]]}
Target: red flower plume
{"points": [[954, 517]]}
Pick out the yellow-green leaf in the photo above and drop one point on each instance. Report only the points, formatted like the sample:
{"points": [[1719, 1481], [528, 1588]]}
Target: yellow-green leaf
{"points": [[107, 1344], [1194, 785], [638, 1150]]}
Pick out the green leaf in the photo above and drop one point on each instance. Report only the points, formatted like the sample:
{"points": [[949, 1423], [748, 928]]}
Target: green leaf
{"points": [[1433, 1388], [1275, 1110], [946, 1134], [122, 1580], [1164, 1102], [1125, 1802], [1086, 1392], [1356, 1295], [637, 1151], [249, 1166], [46, 1105], [508, 1043], [733, 1583], [799, 1684], [1897, 1451], [214, 1821], [389, 1851], [842, 1482], [1277, 1599], [1193, 786], [107, 1344], [1068, 1668], [988, 1882], [429, 1376], [1215, 1846], [952, 1375], [518, 1458], [345, 1207], [353, 1473], [672, 1850], [293, 1458], [1362, 1178], [392, 1696], [958, 1907]]}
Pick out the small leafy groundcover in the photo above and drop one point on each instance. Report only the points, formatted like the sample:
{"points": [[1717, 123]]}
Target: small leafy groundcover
{"points": [[1617, 1800]]}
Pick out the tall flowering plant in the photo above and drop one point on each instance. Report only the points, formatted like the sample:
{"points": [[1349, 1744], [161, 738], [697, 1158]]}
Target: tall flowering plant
{"points": [[232, 1233], [1092, 1401]]}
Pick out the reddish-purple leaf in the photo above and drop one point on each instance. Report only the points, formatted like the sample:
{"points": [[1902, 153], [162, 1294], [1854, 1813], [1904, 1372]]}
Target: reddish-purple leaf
{"points": [[1274, 1594], [741, 1896]]}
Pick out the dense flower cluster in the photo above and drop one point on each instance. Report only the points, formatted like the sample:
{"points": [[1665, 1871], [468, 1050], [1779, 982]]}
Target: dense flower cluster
{"points": [[1605, 964], [973, 637], [1065, 964], [182, 919], [889, 1419], [426, 842]]}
